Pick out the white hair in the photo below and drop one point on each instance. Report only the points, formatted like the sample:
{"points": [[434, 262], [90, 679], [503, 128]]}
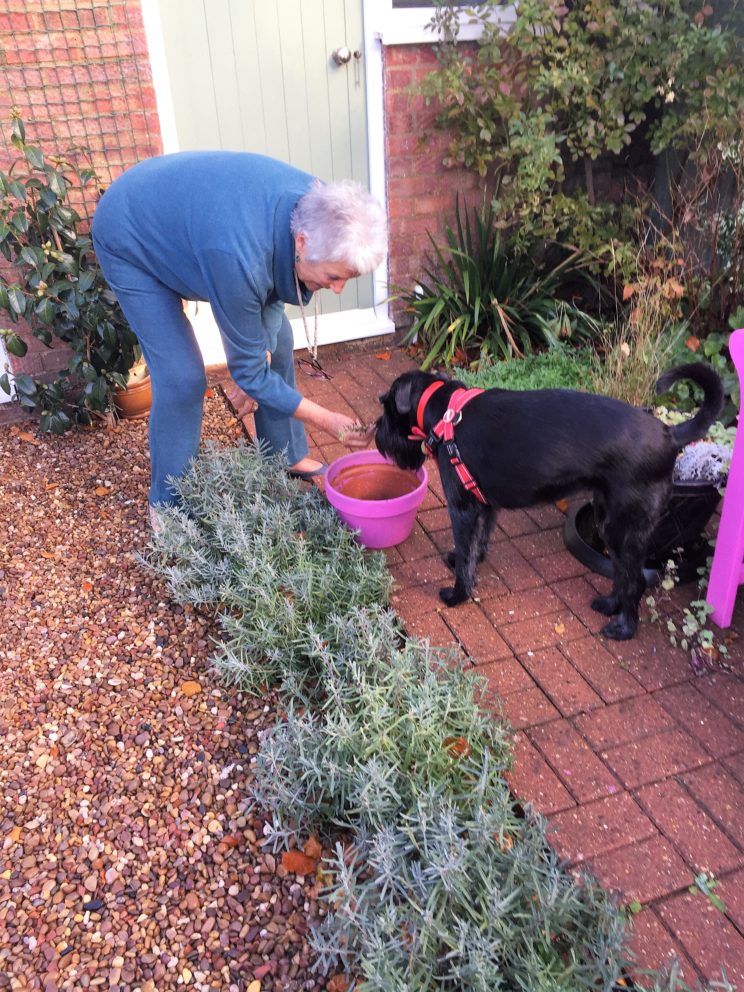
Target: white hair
{"points": [[342, 222]]}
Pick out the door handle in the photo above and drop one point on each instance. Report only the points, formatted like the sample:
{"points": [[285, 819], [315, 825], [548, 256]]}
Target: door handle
{"points": [[341, 55]]}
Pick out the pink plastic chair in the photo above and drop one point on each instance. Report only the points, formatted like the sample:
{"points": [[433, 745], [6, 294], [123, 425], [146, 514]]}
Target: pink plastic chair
{"points": [[727, 572]]}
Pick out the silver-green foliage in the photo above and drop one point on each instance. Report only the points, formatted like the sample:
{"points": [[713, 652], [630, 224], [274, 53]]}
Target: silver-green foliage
{"points": [[467, 901], [396, 717], [271, 554]]}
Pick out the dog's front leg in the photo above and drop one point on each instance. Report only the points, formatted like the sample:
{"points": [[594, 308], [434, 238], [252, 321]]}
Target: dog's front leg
{"points": [[468, 530]]}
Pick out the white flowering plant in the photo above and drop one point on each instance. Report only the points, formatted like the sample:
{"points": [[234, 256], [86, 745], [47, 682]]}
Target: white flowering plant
{"points": [[706, 460]]}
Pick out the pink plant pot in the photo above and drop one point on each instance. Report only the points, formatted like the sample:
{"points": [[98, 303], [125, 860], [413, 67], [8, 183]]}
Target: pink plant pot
{"points": [[381, 521]]}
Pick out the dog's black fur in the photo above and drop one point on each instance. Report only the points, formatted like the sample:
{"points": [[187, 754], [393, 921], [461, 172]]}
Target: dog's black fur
{"points": [[524, 448]]}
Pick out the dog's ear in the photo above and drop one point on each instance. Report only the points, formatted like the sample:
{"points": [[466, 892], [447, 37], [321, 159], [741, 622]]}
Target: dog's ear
{"points": [[402, 397]]}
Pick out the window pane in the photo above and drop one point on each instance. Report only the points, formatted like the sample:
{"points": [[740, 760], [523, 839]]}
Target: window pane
{"points": [[411, 3]]}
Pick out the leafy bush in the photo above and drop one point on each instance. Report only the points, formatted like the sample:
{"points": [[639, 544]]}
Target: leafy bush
{"points": [[484, 295], [54, 283], [393, 716], [559, 368], [273, 555]]}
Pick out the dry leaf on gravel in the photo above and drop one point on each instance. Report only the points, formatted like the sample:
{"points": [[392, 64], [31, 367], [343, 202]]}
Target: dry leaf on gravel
{"points": [[299, 863], [312, 848]]}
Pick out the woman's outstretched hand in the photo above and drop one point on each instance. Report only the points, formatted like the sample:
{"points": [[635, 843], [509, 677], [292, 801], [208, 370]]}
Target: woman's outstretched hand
{"points": [[355, 434]]}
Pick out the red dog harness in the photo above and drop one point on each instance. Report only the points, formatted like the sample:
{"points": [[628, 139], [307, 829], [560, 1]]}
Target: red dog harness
{"points": [[444, 432]]}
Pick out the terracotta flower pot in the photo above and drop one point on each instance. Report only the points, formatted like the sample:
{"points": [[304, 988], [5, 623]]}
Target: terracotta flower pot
{"points": [[135, 401]]}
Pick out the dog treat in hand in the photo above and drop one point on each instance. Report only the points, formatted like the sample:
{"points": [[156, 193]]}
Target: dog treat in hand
{"points": [[357, 428]]}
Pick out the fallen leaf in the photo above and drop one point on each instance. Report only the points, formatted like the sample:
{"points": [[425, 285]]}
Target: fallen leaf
{"points": [[628, 290], [209, 392], [15, 834], [562, 505], [312, 848], [672, 289], [692, 343], [560, 628], [338, 983], [457, 747], [254, 987], [25, 436], [191, 688], [87, 586], [48, 554], [51, 485], [102, 491], [6, 874], [299, 863], [384, 356]]}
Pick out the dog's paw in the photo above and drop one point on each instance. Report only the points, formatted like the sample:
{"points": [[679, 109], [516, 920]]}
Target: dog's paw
{"points": [[451, 596], [606, 605], [620, 629]]}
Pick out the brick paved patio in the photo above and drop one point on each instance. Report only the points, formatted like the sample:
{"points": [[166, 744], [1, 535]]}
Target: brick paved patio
{"points": [[637, 764]]}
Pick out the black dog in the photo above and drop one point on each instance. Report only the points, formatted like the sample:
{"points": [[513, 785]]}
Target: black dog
{"points": [[523, 448]]}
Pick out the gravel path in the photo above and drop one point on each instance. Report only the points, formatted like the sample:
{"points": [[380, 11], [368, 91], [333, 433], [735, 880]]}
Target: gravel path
{"points": [[129, 858]]}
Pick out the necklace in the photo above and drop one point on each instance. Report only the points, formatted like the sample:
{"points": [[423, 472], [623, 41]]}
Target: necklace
{"points": [[312, 348]]}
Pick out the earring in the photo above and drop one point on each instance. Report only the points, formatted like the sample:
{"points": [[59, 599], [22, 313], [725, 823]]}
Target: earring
{"points": [[297, 258]]}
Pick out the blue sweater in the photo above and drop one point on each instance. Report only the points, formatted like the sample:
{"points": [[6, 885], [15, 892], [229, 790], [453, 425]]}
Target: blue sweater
{"points": [[214, 226]]}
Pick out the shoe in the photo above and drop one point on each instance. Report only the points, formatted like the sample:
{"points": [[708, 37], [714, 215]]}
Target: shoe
{"points": [[310, 474]]}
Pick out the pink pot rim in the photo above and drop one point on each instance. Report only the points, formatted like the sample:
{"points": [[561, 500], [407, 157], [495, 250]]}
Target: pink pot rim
{"points": [[372, 507]]}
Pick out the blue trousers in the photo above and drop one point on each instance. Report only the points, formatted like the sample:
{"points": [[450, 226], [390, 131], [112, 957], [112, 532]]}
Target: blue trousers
{"points": [[155, 314]]}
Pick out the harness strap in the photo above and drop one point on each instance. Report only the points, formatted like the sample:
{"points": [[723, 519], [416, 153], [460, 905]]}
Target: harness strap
{"points": [[444, 431]]}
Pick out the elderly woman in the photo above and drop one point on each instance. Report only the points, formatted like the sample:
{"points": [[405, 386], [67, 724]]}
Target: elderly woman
{"points": [[247, 234]]}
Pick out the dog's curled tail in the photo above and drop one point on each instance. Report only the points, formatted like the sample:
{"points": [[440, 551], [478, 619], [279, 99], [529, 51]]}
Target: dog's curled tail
{"points": [[710, 382]]}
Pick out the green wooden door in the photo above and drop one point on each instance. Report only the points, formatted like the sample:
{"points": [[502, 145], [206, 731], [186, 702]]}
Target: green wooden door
{"points": [[259, 75]]}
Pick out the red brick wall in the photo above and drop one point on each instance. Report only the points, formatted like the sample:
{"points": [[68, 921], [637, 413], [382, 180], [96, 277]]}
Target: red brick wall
{"points": [[79, 73], [421, 192]]}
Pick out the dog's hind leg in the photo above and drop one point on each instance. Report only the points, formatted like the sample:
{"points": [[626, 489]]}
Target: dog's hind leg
{"points": [[468, 529], [626, 534]]}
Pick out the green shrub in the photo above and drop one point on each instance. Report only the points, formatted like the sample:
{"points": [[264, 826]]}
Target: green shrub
{"points": [[484, 296], [559, 368], [55, 284], [272, 555]]}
